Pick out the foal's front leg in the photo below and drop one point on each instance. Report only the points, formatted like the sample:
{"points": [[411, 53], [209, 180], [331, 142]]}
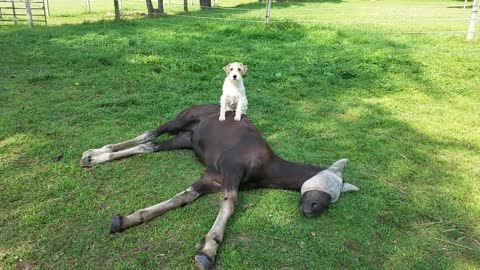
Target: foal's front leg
{"points": [[206, 184], [207, 248]]}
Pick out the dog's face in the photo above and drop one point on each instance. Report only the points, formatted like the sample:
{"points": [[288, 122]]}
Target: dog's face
{"points": [[235, 71]]}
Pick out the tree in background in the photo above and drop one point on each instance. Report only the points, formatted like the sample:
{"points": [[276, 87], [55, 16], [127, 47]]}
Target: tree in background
{"points": [[152, 11], [205, 4]]}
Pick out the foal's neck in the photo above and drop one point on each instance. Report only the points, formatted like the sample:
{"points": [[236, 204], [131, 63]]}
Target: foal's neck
{"points": [[290, 175]]}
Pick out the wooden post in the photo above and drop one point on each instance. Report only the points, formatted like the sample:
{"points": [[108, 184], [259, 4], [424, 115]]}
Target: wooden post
{"points": [[46, 7], [28, 10], [465, 4], [14, 12], [117, 10], [267, 10], [88, 6], [473, 21], [185, 5]]}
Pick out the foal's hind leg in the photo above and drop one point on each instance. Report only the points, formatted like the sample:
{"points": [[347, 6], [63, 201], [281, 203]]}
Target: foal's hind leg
{"points": [[173, 126], [182, 140], [206, 184], [208, 246]]}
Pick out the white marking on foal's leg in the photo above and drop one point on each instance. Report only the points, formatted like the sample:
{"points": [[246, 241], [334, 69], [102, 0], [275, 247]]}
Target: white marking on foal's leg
{"points": [[110, 148], [207, 248], [89, 160]]}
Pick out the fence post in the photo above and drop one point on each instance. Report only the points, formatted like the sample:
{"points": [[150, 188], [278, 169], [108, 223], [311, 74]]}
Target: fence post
{"points": [[117, 10], [267, 10], [465, 4], [14, 12], [473, 21], [88, 6], [28, 10], [46, 7]]}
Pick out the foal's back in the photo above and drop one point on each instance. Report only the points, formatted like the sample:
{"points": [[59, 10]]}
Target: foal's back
{"points": [[237, 143]]}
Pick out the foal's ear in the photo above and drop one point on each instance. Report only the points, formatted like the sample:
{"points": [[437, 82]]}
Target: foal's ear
{"points": [[227, 68], [338, 165], [349, 187]]}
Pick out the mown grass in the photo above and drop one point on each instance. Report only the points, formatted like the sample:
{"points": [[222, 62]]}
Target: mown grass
{"points": [[402, 108]]}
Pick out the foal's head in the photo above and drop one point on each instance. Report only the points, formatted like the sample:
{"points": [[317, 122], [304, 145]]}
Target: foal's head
{"points": [[324, 188]]}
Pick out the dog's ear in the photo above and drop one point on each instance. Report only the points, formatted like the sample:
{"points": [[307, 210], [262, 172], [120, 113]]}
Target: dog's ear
{"points": [[227, 68], [244, 68]]}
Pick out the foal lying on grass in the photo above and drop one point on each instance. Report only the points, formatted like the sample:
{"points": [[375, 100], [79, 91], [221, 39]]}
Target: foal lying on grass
{"points": [[235, 156]]}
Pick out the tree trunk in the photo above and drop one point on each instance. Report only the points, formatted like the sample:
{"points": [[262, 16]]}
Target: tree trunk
{"points": [[150, 9], [160, 7], [185, 6], [205, 4]]}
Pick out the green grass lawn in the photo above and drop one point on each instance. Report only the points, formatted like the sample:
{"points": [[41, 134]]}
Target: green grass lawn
{"points": [[403, 108]]}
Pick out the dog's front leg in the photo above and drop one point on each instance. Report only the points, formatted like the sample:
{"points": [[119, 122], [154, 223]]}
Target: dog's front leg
{"points": [[223, 104], [241, 108]]}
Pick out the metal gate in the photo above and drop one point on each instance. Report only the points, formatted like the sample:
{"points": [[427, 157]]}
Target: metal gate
{"points": [[23, 11]]}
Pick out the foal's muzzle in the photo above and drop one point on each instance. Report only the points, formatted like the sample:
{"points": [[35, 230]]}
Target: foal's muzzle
{"points": [[313, 203]]}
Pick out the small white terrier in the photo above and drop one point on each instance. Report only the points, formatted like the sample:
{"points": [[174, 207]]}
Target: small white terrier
{"points": [[233, 96]]}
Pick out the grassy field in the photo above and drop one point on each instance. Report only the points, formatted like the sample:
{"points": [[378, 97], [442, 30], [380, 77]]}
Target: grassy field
{"points": [[403, 108]]}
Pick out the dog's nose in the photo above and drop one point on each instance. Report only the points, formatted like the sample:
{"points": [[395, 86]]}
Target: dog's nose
{"points": [[234, 76]]}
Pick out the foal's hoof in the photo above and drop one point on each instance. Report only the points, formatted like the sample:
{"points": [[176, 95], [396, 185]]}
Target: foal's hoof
{"points": [[87, 161], [203, 262], [89, 152], [116, 225]]}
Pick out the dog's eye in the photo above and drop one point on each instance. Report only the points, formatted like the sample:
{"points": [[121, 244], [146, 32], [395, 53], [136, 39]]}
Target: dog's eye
{"points": [[231, 69], [239, 69]]}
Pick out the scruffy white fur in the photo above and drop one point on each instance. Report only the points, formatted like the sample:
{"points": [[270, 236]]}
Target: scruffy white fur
{"points": [[233, 92]]}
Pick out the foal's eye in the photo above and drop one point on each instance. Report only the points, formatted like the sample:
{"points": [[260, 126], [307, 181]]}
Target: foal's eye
{"points": [[239, 69], [231, 69]]}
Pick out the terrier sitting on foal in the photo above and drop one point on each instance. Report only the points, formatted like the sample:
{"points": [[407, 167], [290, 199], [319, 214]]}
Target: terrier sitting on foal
{"points": [[233, 96]]}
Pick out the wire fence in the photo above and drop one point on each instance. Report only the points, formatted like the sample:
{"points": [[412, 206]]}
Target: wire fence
{"points": [[438, 18], [394, 19]]}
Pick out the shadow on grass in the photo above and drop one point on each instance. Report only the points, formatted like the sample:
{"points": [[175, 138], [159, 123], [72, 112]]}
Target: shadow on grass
{"points": [[314, 94]]}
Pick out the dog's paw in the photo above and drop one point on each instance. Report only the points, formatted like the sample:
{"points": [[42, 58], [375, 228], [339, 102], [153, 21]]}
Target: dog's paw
{"points": [[238, 118], [221, 118]]}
